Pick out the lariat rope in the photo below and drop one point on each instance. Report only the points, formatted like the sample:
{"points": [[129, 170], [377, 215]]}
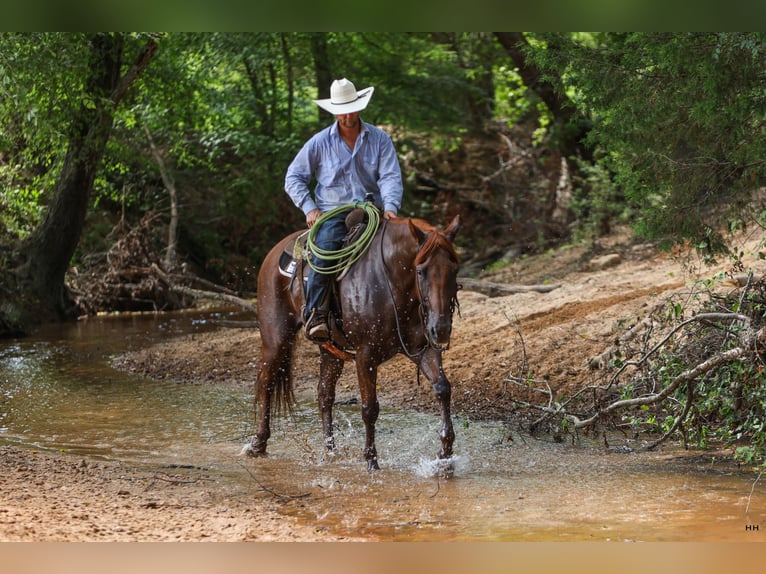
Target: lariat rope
{"points": [[346, 256]]}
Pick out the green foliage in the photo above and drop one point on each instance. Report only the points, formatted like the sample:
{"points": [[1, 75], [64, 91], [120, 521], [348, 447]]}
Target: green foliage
{"points": [[679, 120], [724, 407], [597, 203], [21, 211], [676, 122], [40, 81]]}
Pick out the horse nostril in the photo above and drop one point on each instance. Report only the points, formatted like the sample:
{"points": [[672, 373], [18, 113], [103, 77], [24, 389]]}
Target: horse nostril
{"points": [[439, 335]]}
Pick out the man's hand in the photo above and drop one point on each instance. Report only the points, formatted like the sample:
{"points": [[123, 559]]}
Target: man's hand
{"points": [[389, 215], [312, 216]]}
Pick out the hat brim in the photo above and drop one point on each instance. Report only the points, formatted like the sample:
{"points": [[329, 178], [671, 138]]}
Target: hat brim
{"points": [[363, 98]]}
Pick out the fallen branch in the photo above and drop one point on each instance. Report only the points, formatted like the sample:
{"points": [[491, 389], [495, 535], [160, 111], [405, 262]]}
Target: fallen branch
{"points": [[225, 297], [199, 294], [167, 478], [272, 492], [710, 317], [492, 289], [689, 375]]}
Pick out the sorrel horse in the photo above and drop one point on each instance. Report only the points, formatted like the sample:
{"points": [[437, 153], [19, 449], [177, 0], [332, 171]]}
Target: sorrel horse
{"points": [[399, 297]]}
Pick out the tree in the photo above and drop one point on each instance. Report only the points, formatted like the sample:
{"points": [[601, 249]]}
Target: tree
{"points": [[322, 69], [47, 252], [678, 118], [571, 125]]}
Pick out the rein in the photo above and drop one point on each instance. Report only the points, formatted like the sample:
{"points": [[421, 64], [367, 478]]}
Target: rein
{"points": [[423, 301], [417, 354]]}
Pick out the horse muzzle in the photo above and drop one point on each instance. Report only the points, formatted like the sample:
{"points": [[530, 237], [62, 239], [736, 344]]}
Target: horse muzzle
{"points": [[438, 336]]}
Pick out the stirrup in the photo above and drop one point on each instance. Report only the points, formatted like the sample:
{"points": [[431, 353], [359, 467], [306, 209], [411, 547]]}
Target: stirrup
{"points": [[317, 329]]}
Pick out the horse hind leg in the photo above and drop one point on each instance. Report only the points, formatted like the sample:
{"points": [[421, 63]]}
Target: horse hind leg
{"points": [[273, 391]]}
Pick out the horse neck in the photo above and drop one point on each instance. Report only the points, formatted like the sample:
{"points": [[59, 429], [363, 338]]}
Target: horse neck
{"points": [[398, 246]]}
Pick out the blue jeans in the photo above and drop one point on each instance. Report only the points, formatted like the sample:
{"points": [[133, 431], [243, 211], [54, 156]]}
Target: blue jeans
{"points": [[329, 236]]}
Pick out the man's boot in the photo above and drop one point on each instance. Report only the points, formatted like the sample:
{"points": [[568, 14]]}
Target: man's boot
{"points": [[317, 329]]}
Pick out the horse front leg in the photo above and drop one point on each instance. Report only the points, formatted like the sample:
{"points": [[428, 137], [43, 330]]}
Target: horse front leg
{"points": [[431, 365], [330, 370], [367, 376]]}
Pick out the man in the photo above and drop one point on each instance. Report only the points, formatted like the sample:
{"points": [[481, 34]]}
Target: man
{"points": [[349, 160]]}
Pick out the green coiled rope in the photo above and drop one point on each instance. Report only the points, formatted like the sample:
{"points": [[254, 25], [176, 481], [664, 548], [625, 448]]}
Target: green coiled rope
{"points": [[345, 256]]}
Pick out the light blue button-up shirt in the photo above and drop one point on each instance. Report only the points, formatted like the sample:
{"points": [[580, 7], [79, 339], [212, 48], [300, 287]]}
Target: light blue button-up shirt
{"points": [[344, 176]]}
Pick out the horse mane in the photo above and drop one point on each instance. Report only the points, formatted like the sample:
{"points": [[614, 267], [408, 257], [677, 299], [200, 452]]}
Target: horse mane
{"points": [[435, 240]]}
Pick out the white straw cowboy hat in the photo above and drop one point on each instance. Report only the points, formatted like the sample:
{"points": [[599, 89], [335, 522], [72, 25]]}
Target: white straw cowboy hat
{"points": [[344, 99]]}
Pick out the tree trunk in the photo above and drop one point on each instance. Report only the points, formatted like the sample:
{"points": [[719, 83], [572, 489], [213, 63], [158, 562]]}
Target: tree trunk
{"points": [[290, 79], [322, 69], [264, 112], [573, 127], [171, 258], [49, 249]]}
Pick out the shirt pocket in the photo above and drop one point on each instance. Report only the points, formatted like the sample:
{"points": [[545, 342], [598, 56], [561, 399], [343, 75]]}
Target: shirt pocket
{"points": [[369, 159], [330, 172]]}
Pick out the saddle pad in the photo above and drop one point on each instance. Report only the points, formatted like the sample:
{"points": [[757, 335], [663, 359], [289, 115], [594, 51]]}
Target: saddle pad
{"points": [[293, 252], [287, 264]]}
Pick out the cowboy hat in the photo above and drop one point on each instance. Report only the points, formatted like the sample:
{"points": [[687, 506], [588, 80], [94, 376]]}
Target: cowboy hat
{"points": [[344, 99]]}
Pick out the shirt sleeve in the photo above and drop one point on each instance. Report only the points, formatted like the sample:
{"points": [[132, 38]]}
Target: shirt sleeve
{"points": [[390, 176], [298, 176]]}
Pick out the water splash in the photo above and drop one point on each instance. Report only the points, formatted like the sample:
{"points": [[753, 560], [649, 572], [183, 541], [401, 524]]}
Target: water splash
{"points": [[456, 465]]}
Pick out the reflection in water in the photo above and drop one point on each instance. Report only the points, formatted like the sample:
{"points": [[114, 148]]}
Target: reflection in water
{"points": [[58, 392]]}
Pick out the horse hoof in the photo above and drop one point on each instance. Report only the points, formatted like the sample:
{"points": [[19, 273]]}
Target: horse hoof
{"points": [[445, 468], [438, 468], [253, 451], [372, 465]]}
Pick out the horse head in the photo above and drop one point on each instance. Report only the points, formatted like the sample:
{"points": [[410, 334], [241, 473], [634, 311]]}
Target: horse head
{"points": [[436, 269]]}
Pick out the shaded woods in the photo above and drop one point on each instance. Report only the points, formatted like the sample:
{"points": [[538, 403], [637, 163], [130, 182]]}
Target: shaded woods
{"points": [[168, 150]]}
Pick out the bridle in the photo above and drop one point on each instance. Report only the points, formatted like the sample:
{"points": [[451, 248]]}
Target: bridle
{"points": [[425, 307]]}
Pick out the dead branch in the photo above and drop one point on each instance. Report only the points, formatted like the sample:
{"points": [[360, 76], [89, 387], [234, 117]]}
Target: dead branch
{"points": [[199, 294], [209, 285], [688, 375], [272, 492], [492, 289], [679, 419], [167, 478], [226, 298], [602, 360], [748, 340], [516, 155], [708, 317]]}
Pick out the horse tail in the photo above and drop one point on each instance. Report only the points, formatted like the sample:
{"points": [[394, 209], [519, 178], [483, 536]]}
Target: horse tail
{"points": [[284, 393]]}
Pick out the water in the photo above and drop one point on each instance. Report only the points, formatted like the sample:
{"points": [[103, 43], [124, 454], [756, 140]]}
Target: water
{"points": [[58, 392]]}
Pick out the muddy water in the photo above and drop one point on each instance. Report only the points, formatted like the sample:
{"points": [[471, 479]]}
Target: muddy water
{"points": [[58, 392]]}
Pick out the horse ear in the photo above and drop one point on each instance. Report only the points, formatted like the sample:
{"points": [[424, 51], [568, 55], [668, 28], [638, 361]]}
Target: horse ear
{"points": [[417, 233], [452, 228]]}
